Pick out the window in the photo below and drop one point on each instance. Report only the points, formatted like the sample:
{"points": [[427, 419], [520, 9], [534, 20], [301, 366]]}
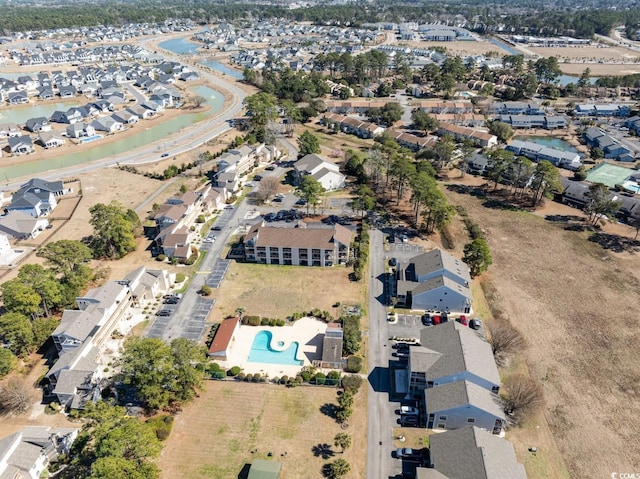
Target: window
{"points": [[442, 418], [471, 420], [440, 426]]}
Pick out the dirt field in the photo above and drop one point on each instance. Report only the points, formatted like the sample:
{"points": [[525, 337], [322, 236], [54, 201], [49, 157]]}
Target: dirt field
{"points": [[214, 436], [278, 291], [576, 303]]}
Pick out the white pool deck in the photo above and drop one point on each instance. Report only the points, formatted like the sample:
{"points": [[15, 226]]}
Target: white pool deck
{"points": [[308, 332]]}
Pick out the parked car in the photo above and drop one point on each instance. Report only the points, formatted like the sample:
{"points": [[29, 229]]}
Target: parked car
{"points": [[401, 346], [270, 168], [172, 295], [392, 317], [257, 178], [426, 319], [164, 312], [404, 452], [409, 411], [172, 300], [409, 421], [405, 239], [164, 155], [435, 319], [301, 202], [393, 262], [463, 320], [475, 323], [229, 207]]}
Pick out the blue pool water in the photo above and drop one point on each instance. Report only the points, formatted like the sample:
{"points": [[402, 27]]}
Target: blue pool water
{"points": [[261, 351], [90, 138]]}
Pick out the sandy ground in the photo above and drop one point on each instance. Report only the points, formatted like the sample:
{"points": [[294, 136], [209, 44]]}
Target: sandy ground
{"points": [[231, 423], [600, 69], [565, 293]]}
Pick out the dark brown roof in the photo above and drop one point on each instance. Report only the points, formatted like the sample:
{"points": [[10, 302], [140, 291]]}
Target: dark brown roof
{"points": [[223, 336], [321, 238]]}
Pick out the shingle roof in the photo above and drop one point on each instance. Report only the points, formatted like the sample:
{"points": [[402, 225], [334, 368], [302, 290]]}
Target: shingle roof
{"points": [[223, 335], [437, 260], [473, 453], [462, 393], [321, 238], [462, 350]]}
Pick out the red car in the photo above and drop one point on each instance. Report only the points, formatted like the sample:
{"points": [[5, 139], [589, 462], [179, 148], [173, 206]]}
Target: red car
{"points": [[435, 319], [463, 320]]}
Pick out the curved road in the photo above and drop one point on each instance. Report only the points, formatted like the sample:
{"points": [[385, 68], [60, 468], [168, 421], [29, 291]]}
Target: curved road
{"points": [[187, 139]]}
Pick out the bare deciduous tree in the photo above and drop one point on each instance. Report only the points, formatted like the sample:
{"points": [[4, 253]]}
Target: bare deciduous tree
{"points": [[16, 397], [268, 187], [522, 396], [505, 340]]}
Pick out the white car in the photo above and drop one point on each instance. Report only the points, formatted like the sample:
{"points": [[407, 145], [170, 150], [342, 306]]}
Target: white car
{"points": [[409, 411], [392, 317]]}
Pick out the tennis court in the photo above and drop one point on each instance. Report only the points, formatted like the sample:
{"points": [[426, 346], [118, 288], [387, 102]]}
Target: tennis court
{"points": [[607, 174]]}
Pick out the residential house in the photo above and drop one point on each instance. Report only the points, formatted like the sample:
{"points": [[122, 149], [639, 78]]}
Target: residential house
{"points": [[547, 122], [435, 281], [224, 339], [20, 145], [461, 404], [17, 97], [21, 226], [8, 130], [146, 284], [607, 109], [37, 197], [326, 173], [125, 117], [516, 108], [229, 181], [471, 453], [610, 146], [478, 137], [26, 454], [410, 141], [478, 164], [239, 160], [298, 246], [108, 124], [633, 124], [575, 192], [359, 107], [38, 124], [536, 152], [444, 106], [448, 353], [80, 130], [51, 139]]}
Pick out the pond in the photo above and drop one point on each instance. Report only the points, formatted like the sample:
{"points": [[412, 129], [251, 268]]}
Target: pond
{"points": [[504, 46], [564, 80], [217, 66], [550, 142], [20, 114], [179, 46], [141, 137]]}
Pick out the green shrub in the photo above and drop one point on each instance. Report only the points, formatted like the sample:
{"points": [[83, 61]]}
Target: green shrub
{"points": [[264, 322], [252, 320], [351, 383], [161, 426], [161, 257], [352, 334], [240, 376], [319, 379], [280, 322], [256, 378], [206, 290], [284, 379], [180, 277], [273, 322], [354, 364], [200, 219], [306, 376], [234, 371], [219, 374], [213, 367], [333, 378], [248, 377]]}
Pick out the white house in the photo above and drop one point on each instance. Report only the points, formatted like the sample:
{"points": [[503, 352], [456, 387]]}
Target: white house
{"points": [[328, 174]]}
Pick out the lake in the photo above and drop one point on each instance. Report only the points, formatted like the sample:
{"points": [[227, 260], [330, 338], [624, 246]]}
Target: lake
{"points": [[505, 47], [564, 80], [20, 114], [179, 46], [141, 137], [220, 67], [555, 143]]}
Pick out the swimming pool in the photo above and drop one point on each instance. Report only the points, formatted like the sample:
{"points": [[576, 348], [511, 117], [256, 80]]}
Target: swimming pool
{"points": [[90, 138], [262, 352]]}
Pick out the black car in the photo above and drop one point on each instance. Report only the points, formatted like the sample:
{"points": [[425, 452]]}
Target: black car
{"points": [[401, 346], [426, 319], [257, 178], [164, 312], [172, 300], [409, 421], [393, 262]]}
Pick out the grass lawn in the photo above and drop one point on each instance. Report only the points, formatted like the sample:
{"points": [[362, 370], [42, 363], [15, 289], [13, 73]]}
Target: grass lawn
{"points": [[278, 291], [213, 438]]}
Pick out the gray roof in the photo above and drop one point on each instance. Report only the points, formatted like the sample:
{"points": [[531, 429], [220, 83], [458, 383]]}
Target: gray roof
{"points": [[440, 282], [460, 394], [69, 380], [428, 473], [44, 185], [308, 163], [17, 223], [81, 358], [473, 453], [461, 349], [76, 324], [437, 260]]}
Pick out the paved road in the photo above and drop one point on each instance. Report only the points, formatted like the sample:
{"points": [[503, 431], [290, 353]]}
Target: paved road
{"points": [[381, 419], [189, 315]]}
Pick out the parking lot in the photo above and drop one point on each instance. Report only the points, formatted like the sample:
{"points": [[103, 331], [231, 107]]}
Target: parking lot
{"points": [[194, 326], [214, 279]]}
